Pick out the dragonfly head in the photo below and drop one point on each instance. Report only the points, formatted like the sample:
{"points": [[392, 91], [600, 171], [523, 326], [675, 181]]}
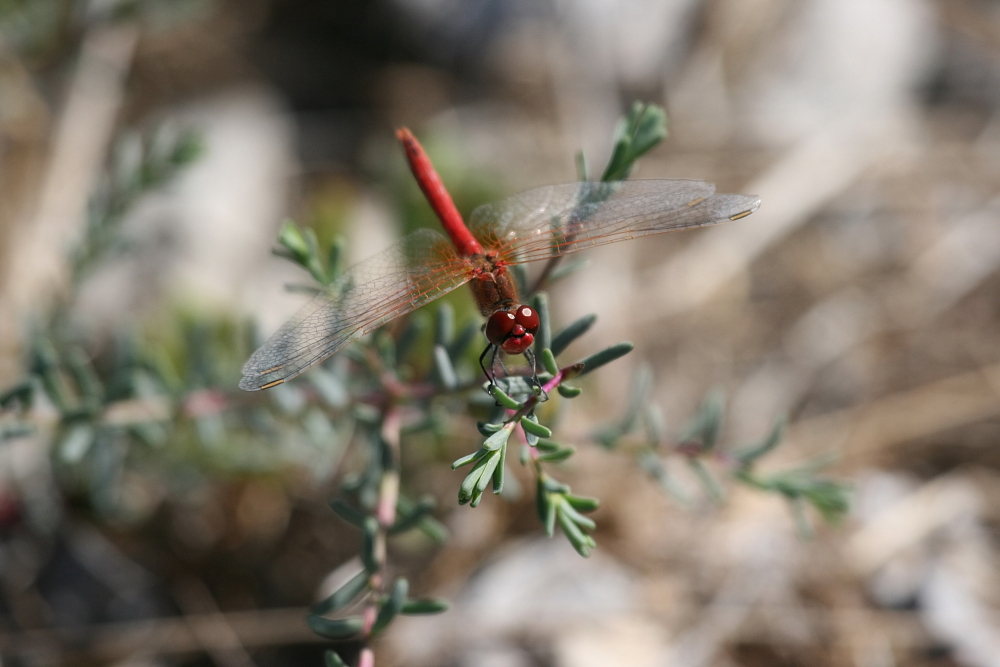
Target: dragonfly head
{"points": [[513, 330]]}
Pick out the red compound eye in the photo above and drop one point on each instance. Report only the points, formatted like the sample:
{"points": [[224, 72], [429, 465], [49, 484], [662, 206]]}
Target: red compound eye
{"points": [[527, 318], [499, 326]]}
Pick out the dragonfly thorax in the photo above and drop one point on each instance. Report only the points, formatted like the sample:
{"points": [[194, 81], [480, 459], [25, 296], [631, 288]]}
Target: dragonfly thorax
{"points": [[492, 285]]}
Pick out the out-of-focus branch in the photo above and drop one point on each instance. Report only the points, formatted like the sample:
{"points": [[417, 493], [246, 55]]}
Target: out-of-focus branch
{"points": [[168, 636], [81, 141]]}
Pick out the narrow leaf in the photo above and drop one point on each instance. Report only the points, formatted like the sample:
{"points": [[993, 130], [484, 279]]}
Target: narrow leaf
{"points": [[556, 456], [331, 659], [444, 325], [488, 470], [347, 512], [534, 428], [563, 339], [499, 472], [583, 503], [498, 439], [574, 534], [503, 399], [567, 391], [444, 368], [543, 336], [413, 518], [577, 518], [605, 356], [368, 542], [754, 452], [549, 361], [474, 456], [344, 595], [424, 606], [343, 628], [391, 607], [487, 429], [582, 172]]}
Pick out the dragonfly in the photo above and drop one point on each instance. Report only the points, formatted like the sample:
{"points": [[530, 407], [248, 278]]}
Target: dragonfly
{"points": [[539, 224]]}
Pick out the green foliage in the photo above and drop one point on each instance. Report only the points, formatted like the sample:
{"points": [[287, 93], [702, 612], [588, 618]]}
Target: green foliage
{"points": [[182, 372], [643, 128], [697, 445]]}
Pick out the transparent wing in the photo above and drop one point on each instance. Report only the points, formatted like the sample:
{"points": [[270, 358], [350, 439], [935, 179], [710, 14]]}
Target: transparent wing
{"points": [[414, 271], [561, 219]]}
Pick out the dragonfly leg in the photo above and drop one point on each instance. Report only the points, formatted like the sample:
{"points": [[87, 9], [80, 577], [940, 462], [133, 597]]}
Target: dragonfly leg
{"points": [[498, 360], [482, 358], [530, 356]]}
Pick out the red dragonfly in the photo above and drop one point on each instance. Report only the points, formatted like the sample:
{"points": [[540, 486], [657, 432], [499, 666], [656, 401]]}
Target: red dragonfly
{"points": [[534, 225]]}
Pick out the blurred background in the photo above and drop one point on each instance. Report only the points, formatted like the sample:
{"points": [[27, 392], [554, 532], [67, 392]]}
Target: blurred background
{"points": [[860, 301]]}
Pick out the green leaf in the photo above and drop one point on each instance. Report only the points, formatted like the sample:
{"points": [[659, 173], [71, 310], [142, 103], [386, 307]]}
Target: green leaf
{"points": [[567, 391], [368, 544], [654, 467], [21, 393], [344, 595], [430, 526], [654, 424], [424, 606], [334, 259], [347, 512], [411, 519], [547, 446], [558, 455], [499, 471], [188, 148], [569, 334], [541, 498], [583, 503], [832, 500], [704, 429], [487, 429], [391, 607], [498, 439], [543, 336], [76, 443], [445, 371], [576, 536], [551, 502], [486, 477], [576, 517], [605, 356], [444, 325], [641, 385], [516, 387], [636, 134], [534, 428], [549, 361], [467, 491], [503, 399], [331, 659], [343, 628], [292, 239], [582, 172], [474, 456], [754, 452], [16, 430], [707, 478]]}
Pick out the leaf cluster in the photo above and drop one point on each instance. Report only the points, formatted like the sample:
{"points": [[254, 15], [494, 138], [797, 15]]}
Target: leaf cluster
{"points": [[697, 444]]}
